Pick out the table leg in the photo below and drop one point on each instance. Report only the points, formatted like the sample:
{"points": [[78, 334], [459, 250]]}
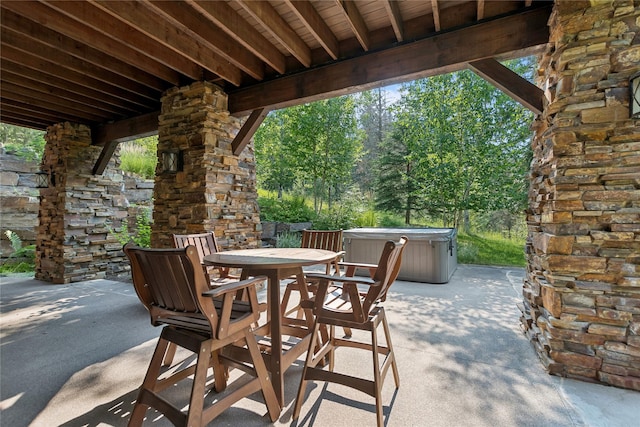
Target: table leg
{"points": [[277, 373]]}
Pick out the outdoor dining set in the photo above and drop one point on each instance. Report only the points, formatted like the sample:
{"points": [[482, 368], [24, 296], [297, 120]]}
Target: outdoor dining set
{"points": [[191, 292]]}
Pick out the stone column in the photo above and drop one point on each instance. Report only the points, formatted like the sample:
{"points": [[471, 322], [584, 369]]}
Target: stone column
{"points": [[581, 307], [215, 190], [73, 240]]}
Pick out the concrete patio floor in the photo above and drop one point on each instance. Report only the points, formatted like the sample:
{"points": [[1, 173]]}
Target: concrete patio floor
{"points": [[74, 355]]}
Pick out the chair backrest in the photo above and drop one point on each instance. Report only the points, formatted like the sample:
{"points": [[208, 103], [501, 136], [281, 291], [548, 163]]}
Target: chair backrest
{"points": [[204, 243], [387, 271], [170, 284], [330, 240]]}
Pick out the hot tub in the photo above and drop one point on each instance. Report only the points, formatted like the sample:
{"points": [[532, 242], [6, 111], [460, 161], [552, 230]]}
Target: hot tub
{"points": [[430, 256]]}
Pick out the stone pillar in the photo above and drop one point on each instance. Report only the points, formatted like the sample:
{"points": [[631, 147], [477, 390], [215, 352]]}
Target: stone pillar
{"points": [[215, 190], [581, 307], [76, 211]]}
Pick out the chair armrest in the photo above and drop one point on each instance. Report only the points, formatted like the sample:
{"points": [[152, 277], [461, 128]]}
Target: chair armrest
{"points": [[342, 279], [234, 286], [357, 264]]}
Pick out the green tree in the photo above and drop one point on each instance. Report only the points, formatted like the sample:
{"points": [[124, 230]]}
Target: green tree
{"points": [[275, 167], [467, 144], [323, 139], [374, 118]]}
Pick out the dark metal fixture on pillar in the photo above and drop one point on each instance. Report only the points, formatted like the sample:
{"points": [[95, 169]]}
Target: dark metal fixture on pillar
{"points": [[634, 96], [171, 161]]}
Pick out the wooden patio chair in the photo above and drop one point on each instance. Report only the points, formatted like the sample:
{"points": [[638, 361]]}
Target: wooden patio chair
{"points": [[205, 244], [172, 286], [357, 310], [330, 240]]}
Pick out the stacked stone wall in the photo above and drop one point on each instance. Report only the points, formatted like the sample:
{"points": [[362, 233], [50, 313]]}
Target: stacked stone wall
{"points": [[19, 201], [215, 190], [77, 210], [581, 306]]}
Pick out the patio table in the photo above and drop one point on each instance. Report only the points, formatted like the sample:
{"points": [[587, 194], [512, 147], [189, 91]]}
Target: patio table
{"points": [[277, 264]]}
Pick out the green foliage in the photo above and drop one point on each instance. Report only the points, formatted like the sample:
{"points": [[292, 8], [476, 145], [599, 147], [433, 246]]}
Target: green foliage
{"points": [[140, 157], [368, 218], [316, 145], [389, 220], [286, 209], [288, 239], [141, 235], [457, 144], [22, 260], [27, 144], [490, 249]]}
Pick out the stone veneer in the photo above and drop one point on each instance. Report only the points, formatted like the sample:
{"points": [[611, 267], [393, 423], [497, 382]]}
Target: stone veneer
{"points": [[581, 307], [73, 241], [216, 190]]}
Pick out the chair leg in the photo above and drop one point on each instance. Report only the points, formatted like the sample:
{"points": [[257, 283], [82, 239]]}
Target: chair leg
{"points": [[268, 393], [169, 355], [392, 354], [196, 401], [376, 376], [149, 382], [307, 363]]}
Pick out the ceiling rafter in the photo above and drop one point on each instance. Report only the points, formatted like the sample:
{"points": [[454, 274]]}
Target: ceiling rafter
{"points": [[316, 26], [229, 21], [55, 40], [79, 28], [480, 14], [267, 16], [32, 53], [179, 43], [197, 27], [442, 53], [393, 10], [45, 70], [435, 8], [355, 21]]}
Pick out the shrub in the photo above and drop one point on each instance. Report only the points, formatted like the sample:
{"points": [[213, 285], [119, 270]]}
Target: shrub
{"points": [[22, 260], [139, 157], [287, 209], [141, 236], [288, 239]]}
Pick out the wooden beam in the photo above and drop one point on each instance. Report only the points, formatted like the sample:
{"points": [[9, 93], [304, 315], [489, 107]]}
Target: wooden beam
{"points": [[269, 18], [435, 10], [510, 83], [204, 36], [480, 14], [235, 26], [45, 15], [126, 130], [178, 43], [105, 155], [50, 61], [249, 128], [59, 42], [315, 24], [393, 10], [437, 54], [356, 22]]}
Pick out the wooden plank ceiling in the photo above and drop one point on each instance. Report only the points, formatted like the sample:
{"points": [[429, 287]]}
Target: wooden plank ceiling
{"points": [[106, 63]]}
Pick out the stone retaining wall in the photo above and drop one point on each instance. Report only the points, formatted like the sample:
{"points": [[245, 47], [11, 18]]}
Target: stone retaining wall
{"points": [[20, 200]]}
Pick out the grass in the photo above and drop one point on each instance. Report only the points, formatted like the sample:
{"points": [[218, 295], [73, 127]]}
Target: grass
{"points": [[490, 249]]}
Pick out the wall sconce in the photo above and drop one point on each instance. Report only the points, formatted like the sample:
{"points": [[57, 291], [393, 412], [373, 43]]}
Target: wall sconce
{"points": [[634, 96], [45, 179], [171, 161], [42, 179]]}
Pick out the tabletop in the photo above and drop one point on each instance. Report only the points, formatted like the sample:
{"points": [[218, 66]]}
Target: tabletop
{"points": [[270, 257]]}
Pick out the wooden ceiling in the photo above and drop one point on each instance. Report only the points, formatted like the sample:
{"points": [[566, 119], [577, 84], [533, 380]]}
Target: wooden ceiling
{"points": [[107, 63]]}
